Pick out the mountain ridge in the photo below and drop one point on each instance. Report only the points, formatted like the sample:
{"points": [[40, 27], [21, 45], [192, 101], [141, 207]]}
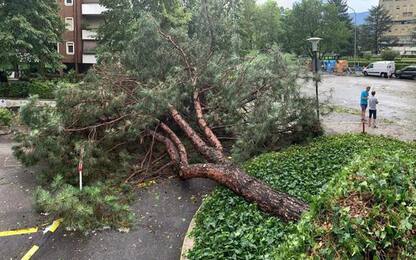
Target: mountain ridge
{"points": [[361, 16]]}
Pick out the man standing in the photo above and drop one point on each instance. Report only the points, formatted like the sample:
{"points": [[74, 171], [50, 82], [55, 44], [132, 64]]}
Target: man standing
{"points": [[364, 102]]}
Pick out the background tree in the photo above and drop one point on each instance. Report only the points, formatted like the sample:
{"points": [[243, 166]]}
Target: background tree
{"points": [[120, 21], [378, 23], [181, 94], [389, 54], [364, 41], [342, 7], [249, 16], [29, 33], [312, 18], [260, 25]]}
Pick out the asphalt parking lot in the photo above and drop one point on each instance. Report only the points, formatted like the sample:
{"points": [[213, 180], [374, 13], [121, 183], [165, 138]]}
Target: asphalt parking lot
{"points": [[396, 111], [163, 213]]}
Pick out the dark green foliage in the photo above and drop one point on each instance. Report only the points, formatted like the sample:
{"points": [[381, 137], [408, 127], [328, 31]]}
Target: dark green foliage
{"points": [[260, 25], [29, 33], [364, 38], [377, 24], [344, 15], [6, 117], [230, 228], [368, 212], [342, 7], [313, 18], [23, 89], [18, 89], [389, 55]]}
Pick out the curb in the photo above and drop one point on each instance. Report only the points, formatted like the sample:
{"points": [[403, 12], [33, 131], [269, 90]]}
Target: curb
{"points": [[188, 241]]}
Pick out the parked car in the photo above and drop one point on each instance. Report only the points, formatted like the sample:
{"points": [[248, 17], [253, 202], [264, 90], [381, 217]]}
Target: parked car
{"points": [[407, 72], [380, 68]]}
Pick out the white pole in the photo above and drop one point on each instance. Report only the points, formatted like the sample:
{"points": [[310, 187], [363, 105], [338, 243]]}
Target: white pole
{"points": [[80, 180], [80, 168]]}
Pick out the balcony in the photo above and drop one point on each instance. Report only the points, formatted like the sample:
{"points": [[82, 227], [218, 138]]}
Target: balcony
{"points": [[89, 35], [89, 59], [93, 9]]}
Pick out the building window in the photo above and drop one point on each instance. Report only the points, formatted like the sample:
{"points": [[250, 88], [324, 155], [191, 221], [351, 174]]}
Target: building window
{"points": [[69, 2], [69, 23], [70, 48]]}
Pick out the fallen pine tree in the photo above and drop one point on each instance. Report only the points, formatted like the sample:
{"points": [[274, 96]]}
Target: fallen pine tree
{"points": [[178, 91]]}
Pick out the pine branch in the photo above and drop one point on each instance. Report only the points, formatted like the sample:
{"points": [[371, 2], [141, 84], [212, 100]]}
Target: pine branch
{"points": [[95, 126], [183, 156], [209, 153], [170, 39], [212, 139], [170, 146]]}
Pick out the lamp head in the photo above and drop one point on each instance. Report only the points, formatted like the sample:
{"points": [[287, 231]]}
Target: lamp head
{"points": [[314, 41]]}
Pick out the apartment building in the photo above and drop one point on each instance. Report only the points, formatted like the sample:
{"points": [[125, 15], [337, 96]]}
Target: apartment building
{"points": [[403, 13], [82, 18]]}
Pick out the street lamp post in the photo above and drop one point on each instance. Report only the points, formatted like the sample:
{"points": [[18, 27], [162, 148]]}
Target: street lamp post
{"points": [[355, 36], [314, 41]]}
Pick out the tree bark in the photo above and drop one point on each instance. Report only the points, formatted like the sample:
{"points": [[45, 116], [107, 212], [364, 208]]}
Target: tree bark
{"points": [[222, 171], [211, 154], [268, 200], [212, 139]]}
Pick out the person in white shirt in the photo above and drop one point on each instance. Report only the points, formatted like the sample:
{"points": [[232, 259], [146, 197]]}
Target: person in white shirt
{"points": [[372, 103]]}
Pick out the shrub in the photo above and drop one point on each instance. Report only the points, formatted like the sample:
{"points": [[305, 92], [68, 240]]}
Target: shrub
{"points": [[369, 212], [24, 89], [44, 89], [227, 227], [5, 117], [18, 89], [389, 55]]}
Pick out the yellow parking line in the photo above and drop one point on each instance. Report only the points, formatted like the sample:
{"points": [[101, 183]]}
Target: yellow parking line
{"points": [[46, 234], [55, 225], [30, 253], [17, 232]]}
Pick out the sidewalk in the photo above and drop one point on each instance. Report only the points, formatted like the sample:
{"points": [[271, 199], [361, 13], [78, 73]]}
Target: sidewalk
{"points": [[163, 212], [341, 123], [16, 103]]}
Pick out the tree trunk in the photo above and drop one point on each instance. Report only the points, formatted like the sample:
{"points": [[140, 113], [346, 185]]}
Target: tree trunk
{"points": [[268, 200], [221, 170], [16, 71]]}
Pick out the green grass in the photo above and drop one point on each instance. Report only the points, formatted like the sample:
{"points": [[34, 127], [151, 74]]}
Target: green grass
{"points": [[346, 110], [227, 227]]}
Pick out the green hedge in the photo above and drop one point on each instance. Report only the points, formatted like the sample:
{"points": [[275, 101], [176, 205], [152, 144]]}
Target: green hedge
{"points": [[401, 62], [24, 89], [227, 227], [369, 212]]}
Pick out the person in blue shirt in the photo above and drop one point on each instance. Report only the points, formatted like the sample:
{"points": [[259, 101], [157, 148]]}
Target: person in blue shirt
{"points": [[364, 101]]}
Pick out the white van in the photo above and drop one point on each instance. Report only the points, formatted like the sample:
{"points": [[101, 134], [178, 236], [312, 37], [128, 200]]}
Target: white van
{"points": [[380, 68]]}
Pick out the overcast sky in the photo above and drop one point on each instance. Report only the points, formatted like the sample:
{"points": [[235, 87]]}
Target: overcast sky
{"points": [[358, 5]]}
